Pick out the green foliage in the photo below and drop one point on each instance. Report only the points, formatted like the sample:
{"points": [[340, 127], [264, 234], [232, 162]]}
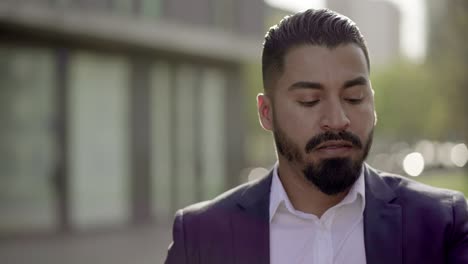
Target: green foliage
{"points": [[410, 103], [253, 83], [259, 146], [448, 56], [450, 180]]}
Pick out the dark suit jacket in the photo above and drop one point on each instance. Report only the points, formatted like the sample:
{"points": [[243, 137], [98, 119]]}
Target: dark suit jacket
{"points": [[404, 222]]}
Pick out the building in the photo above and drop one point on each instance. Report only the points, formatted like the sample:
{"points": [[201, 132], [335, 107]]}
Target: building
{"points": [[114, 114], [379, 22]]}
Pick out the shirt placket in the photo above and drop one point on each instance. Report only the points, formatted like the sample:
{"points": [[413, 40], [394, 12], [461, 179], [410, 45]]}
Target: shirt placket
{"points": [[324, 243]]}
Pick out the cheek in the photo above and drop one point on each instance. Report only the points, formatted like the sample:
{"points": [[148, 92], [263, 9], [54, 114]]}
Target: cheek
{"points": [[301, 118], [297, 122], [362, 120]]}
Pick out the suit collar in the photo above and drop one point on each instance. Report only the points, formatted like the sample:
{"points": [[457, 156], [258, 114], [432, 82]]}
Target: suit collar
{"points": [[376, 185], [383, 230], [250, 225], [257, 195], [382, 222], [278, 195]]}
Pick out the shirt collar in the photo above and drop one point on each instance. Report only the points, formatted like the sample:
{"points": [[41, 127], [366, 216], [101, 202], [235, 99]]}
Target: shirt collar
{"points": [[278, 194]]}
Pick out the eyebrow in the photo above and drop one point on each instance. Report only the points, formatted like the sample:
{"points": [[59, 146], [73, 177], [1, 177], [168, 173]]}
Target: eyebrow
{"points": [[318, 86], [357, 81], [306, 85]]}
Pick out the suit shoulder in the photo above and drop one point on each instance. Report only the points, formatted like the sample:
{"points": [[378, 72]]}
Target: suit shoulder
{"points": [[225, 201], [412, 190]]}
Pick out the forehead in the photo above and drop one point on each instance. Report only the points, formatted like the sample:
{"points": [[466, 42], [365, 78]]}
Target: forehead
{"points": [[323, 64]]}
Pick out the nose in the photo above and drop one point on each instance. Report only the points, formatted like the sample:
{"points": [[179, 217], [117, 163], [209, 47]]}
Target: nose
{"points": [[334, 117]]}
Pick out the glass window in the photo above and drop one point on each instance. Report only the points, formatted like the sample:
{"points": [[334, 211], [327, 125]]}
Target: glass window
{"points": [[212, 134], [151, 8], [99, 140], [185, 114], [122, 6], [188, 136], [27, 144], [161, 141]]}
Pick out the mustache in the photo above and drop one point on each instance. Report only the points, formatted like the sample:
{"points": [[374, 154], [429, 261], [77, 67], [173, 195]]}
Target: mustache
{"points": [[343, 135]]}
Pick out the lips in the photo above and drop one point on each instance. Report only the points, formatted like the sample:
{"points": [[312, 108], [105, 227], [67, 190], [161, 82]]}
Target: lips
{"points": [[334, 144]]}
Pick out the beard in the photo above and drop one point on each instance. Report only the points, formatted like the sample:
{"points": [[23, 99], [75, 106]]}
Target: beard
{"points": [[333, 175]]}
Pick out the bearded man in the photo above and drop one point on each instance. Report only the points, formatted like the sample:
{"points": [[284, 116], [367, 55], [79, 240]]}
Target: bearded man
{"points": [[321, 203]]}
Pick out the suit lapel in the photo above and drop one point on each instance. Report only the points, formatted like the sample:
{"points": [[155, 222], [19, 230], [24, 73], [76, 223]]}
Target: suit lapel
{"points": [[382, 222], [250, 224]]}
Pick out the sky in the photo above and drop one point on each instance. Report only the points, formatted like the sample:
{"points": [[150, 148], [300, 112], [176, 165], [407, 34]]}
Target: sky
{"points": [[413, 26]]}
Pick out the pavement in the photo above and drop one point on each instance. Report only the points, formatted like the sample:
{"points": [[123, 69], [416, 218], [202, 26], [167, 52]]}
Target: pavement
{"points": [[135, 245]]}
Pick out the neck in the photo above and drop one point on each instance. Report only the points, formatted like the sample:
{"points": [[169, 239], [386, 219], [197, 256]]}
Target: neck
{"points": [[303, 194]]}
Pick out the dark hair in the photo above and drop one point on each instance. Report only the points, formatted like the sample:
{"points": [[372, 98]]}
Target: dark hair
{"points": [[321, 27]]}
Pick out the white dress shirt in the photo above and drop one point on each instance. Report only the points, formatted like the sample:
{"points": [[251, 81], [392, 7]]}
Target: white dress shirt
{"points": [[297, 237]]}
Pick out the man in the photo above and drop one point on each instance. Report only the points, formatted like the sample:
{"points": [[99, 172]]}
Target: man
{"points": [[321, 203]]}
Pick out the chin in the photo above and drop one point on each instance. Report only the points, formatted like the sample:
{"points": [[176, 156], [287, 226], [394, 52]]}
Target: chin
{"points": [[333, 175]]}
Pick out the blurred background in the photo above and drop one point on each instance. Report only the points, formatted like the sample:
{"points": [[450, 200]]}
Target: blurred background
{"points": [[115, 113]]}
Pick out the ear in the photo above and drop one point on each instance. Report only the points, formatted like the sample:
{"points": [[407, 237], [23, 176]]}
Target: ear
{"points": [[373, 102], [265, 111], [375, 118]]}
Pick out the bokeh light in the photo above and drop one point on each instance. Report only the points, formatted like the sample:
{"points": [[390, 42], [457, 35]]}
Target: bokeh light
{"points": [[427, 149], [444, 153], [459, 155], [413, 164]]}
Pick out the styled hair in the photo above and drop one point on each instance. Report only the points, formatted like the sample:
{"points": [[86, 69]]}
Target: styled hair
{"points": [[321, 27]]}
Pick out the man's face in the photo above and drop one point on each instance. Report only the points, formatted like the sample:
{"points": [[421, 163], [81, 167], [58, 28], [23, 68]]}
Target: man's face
{"points": [[321, 112]]}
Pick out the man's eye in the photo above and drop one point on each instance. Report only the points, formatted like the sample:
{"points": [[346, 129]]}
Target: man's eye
{"points": [[354, 100], [308, 103]]}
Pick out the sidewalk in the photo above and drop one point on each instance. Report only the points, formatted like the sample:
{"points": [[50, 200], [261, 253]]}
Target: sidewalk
{"points": [[139, 245]]}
